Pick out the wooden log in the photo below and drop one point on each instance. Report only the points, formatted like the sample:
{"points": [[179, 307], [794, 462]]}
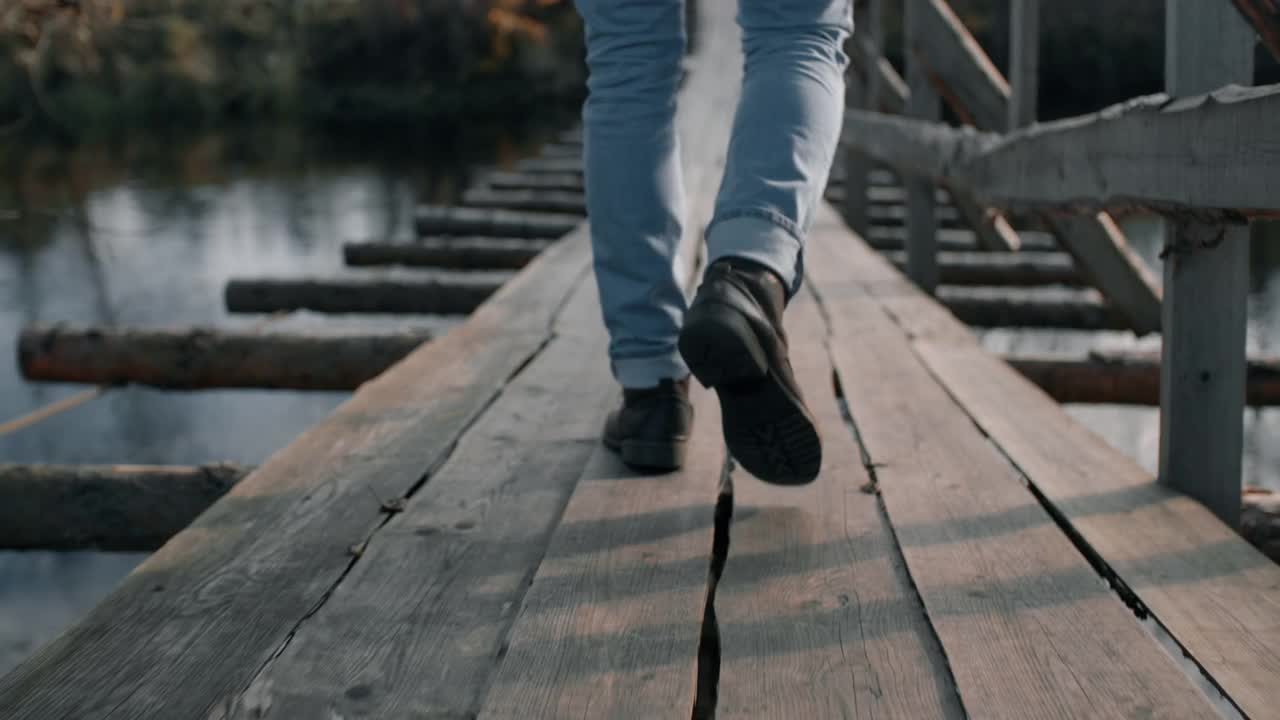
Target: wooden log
{"points": [[445, 294], [893, 237], [884, 195], [559, 201], [207, 358], [997, 268], [1024, 307], [1206, 279], [107, 507], [438, 220], [450, 253], [533, 181], [1128, 378], [893, 88]]}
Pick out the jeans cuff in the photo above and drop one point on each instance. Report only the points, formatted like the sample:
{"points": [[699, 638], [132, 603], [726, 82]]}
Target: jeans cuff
{"points": [[647, 372], [760, 240]]}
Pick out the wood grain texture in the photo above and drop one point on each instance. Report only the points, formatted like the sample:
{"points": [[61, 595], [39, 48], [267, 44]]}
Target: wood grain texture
{"points": [[417, 628], [204, 358], [817, 618], [446, 220], [451, 253], [186, 632], [1004, 588], [1213, 592], [427, 293], [108, 507]]}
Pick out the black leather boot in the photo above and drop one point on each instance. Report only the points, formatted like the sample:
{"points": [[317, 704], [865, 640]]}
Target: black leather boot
{"points": [[651, 429], [734, 343]]}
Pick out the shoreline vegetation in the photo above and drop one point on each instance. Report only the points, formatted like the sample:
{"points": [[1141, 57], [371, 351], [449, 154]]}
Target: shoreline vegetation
{"points": [[90, 67]]}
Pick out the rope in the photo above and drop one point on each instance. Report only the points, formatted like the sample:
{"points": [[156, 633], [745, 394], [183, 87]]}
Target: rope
{"points": [[57, 408]]}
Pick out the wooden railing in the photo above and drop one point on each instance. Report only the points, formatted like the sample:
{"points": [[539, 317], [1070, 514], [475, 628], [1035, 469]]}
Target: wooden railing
{"points": [[1204, 156]]}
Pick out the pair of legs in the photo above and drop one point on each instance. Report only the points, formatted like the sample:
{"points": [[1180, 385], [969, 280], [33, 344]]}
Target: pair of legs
{"points": [[784, 137]]}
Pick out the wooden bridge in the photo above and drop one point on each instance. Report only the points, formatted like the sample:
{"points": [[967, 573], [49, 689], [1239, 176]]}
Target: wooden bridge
{"points": [[454, 542]]}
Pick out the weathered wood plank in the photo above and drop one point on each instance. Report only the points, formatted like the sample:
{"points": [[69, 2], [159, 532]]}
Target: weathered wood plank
{"points": [[448, 253], [1206, 277], [958, 68], [186, 632], [1031, 307], [205, 358], [863, 90], [1216, 595], [558, 201], [1024, 63], [893, 89], [816, 613], [1127, 378], [922, 227], [437, 293], [502, 180], [996, 268], [991, 228], [1004, 588], [1264, 15], [1103, 254], [445, 220], [888, 237], [552, 166], [417, 628], [108, 507]]}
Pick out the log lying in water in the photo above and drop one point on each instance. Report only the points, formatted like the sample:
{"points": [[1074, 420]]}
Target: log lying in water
{"points": [[204, 358], [110, 507], [440, 293], [1024, 307], [558, 201], [1128, 378], [1001, 268], [567, 182], [437, 220], [449, 253], [893, 237]]}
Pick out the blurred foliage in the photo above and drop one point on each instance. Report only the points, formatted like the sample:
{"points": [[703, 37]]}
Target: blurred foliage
{"points": [[93, 64]]}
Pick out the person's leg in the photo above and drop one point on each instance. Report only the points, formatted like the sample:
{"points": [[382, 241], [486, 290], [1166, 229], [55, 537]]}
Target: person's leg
{"points": [[635, 202], [785, 131], [635, 197], [784, 139]]}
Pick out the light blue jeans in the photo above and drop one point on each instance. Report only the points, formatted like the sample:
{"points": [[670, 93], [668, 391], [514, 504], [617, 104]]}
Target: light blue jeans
{"points": [[783, 140]]}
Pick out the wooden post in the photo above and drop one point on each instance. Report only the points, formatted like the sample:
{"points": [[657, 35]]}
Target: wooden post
{"points": [[924, 104], [1024, 62], [1206, 281], [864, 85]]}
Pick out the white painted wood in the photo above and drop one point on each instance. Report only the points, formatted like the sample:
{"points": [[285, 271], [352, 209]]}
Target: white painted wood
{"points": [[1024, 62], [1202, 381], [924, 104]]}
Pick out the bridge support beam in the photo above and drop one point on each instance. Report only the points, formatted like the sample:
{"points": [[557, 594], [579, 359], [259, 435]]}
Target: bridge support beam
{"points": [[1202, 382], [924, 104]]}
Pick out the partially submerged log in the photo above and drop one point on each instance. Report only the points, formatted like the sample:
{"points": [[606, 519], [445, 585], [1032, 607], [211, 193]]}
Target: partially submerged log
{"points": [[1023, 307], [443, 294], [559, 201], [1128, 378], [109, 507], [447, 253], [437, 220], [206, 358], [1002, 268]]}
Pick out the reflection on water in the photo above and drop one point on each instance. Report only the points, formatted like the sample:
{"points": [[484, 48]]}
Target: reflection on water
{"points": [[147, 234], [1136, 430]]}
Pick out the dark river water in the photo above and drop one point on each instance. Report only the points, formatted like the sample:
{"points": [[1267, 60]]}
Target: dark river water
{"points": [[147, 233]]}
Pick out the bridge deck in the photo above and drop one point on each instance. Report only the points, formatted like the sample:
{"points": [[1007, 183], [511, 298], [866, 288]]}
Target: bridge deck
{"points": [[454, 542]]}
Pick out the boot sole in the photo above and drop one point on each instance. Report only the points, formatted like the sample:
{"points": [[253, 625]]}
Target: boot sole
{"points": [[768, 429]]}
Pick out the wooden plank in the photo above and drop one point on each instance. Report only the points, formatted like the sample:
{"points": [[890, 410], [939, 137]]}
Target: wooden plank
{"points": [[887, 237], [1127, 378], [186, 632], [417, 628], [1052, 307], [550, 166], [501, 180], [557, 201], [864, 89], [1004, 588], [1264, 15], [922, 229], [1103, 255], [203, 358], [1206, 277], [108, 507], [1024, 62], [446, 220], [816, 613], [450, 253], [996, 268], [1216, 595], [990, 227], [611, 624], [434, 293], [958, 68], [868, 59]]}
